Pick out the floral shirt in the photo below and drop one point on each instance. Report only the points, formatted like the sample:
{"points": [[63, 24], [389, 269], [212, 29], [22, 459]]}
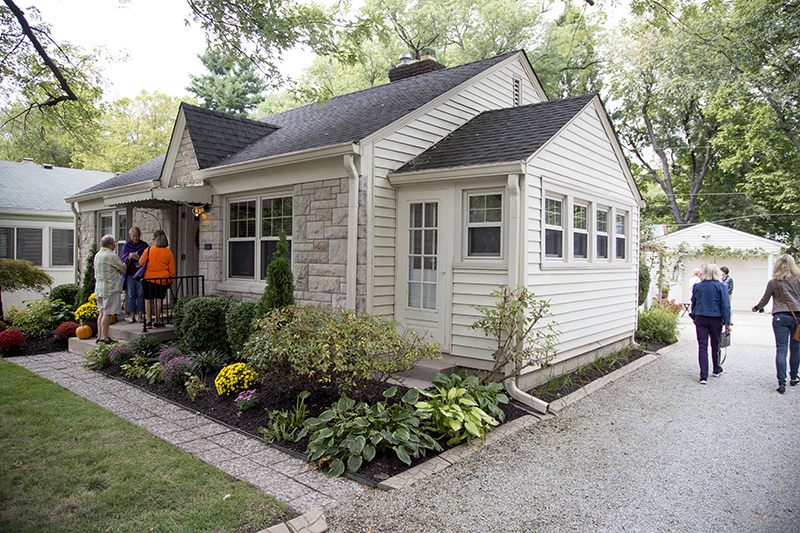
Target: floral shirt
{"points": [[107, 270]]}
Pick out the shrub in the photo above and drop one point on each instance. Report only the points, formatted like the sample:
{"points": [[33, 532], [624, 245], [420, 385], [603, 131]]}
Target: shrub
{"points": [[239, 323], [87, 286], [350, 433], [234, 378], [17, 274], [208, 361], [36, 318], [168, 355], [178, 312], [658, 324], [279, 291], [342, 347], [644, 281], [176, 371], [203, 324], [65, 330], [668, 305], [121, 354], [11, 340], [66, 293], [146, 346]]}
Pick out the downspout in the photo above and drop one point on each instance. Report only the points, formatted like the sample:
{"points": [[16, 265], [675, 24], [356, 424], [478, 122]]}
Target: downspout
{"points": [[514, 256], [76, 240], [351, 269]]}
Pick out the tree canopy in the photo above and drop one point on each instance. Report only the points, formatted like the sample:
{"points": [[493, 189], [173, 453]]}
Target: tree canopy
{"points": [[232, 85]]}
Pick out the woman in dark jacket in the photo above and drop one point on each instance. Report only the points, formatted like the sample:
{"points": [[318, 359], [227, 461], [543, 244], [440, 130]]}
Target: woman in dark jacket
{"points": [[784, 289], [131, 253], [711, 309]]}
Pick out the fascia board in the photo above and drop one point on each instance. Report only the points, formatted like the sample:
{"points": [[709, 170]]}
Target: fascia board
{"points": [[174, 147], [458, 173], [227, 171], [432, 104]]}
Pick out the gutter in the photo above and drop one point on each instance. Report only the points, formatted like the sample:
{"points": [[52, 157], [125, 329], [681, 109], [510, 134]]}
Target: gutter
{"points": [[351, 269], [515, 221]]}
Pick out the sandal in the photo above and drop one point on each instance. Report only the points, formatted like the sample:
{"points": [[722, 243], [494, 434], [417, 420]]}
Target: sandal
{"points": [[130, 320]]}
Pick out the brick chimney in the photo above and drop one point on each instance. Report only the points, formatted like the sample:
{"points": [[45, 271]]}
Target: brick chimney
{"points": [[414, 67]]}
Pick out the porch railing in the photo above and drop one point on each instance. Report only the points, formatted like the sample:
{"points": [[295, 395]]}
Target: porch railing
{"points": [[178, 286]]}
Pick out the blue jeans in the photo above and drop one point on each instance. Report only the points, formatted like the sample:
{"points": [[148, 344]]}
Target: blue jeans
{"points": [[708, 328], [783, 325], [135, 296]]}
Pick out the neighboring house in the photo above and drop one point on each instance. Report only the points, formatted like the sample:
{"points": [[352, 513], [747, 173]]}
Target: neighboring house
{"points": [[748, 257], [35, 223], [413, 200]]}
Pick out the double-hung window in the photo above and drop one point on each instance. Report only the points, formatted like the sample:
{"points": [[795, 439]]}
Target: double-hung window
{"points": [[620, 236], [253, 229], [21, 243], [554, 228], [114, 223], [485, 225], [580, 232], [62, 247], [602, 234]]}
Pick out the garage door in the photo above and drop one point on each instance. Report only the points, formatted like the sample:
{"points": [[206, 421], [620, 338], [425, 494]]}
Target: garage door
{"points": [[749, 280]]}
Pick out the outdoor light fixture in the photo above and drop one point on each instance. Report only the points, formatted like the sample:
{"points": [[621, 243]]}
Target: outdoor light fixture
{"points": [[199, 210]]}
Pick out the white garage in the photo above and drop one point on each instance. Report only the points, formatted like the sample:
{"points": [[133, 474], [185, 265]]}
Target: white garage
{"points": [[748, 257]]}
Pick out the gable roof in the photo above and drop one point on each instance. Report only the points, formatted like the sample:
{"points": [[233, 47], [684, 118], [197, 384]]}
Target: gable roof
{"points": [[42, 187], [499, 136], [346, 118], [718, 235], [216, 135]]}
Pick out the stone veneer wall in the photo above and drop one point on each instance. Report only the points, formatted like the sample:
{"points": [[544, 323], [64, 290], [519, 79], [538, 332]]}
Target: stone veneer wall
{"points": [[87, 222], [319, 246], [185, 162]]}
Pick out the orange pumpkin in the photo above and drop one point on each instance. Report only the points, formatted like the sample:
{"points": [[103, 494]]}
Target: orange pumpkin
{"points": [[83, 332]]}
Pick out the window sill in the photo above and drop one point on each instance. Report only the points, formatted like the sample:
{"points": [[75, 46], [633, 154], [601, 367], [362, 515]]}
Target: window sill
{"points": [[250, 287]]}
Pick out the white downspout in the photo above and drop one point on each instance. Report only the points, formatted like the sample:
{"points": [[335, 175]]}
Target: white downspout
{"points": [[514, 256], [351, 269], [76, 252]]}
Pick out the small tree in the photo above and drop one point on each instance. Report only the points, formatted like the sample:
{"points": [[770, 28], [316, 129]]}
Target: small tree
{"points": [[17, 274], [279, 291], [513, 323], [87, 287], [644, 281]]}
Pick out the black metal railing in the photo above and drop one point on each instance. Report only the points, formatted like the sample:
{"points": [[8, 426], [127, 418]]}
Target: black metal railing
{"points": [[167, 291]]}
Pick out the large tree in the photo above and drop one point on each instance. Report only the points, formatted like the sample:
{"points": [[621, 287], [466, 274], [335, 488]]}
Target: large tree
{"points": [[232, 85]]}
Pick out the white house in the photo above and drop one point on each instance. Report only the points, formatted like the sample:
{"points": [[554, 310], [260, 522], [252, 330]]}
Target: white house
{"points": [[35, 223], [748, 257], [413, 200]]}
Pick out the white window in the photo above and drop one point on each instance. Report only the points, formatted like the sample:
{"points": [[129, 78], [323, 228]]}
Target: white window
{"points": [[621, 232], [485, 225], [602, 234], [62, 246], [256, 221], [21, 243], [423, 251], [580, 232], [114, 223], [554, 229]]}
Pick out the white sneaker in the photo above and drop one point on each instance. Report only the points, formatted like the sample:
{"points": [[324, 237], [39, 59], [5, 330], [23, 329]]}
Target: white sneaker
{"points": [[703, 381]]}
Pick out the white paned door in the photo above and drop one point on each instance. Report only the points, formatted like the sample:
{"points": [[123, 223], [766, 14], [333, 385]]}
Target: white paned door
{"points": [[424, 255]]}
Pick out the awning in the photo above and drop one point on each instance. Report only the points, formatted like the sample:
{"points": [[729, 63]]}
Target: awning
{"points": [[190, 195]]}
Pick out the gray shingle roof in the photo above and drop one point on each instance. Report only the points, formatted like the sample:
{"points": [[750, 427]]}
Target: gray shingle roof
{"points": [[217, 135], [148, 171], [499, 136], [35, 187]]}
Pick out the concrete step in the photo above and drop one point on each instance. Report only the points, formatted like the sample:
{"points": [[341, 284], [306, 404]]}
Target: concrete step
{"points": [[423, 373], [123, 332]]}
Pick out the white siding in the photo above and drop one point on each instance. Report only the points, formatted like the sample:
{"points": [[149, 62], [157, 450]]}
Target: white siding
{"points": [[473, 287], [494, 91]]}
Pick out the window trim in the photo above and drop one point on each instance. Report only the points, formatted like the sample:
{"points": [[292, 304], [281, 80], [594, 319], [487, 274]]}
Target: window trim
{"points": [[258, 238], [462, 228], [71, 242], [553, 227], [120, 238]]}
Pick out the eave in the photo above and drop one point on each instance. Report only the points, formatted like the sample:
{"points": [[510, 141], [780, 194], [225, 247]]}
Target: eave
{"points": [[458, 173]]}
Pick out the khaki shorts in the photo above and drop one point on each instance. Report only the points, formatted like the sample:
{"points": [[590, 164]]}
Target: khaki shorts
{"points": [[110, 305]]}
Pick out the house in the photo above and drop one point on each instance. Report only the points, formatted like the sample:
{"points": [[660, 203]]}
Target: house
{"points": [[413, 200], [35, 223], [749, 258]]}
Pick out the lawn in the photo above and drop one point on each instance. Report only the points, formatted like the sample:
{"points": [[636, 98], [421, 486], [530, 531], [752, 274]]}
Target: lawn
{"points": [[68, 465]]}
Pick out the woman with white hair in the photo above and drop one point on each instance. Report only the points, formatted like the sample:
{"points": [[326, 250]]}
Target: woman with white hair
{"points": [[784, 289], [711, 309]]}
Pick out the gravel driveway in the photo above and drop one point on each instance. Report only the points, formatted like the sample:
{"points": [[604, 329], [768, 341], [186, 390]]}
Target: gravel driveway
{"points": [[652, 451]]}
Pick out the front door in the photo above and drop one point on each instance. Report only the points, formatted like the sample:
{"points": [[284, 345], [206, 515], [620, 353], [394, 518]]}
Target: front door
{"points": [[424, 254], [187, 256]]}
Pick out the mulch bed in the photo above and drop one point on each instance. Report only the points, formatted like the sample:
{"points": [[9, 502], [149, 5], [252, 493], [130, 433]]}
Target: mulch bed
{"points": [[224, 410]]}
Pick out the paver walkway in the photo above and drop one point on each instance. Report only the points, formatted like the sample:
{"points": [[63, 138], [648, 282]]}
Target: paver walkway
{"points": [[289, 479]]}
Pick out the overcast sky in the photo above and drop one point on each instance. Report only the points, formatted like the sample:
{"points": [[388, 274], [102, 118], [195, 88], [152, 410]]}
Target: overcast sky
{"points": [[162, 51]]}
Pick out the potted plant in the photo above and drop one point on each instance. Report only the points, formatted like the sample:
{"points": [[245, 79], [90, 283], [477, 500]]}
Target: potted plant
{"points": [[88, 313]]}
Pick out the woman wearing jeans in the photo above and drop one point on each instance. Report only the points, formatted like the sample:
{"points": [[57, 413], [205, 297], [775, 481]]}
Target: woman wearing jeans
{"points": [[131, 252], [784, 289], [710, 310]]}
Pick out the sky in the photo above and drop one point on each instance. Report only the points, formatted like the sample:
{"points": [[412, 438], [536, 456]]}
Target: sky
{"points": [[161, 50]]}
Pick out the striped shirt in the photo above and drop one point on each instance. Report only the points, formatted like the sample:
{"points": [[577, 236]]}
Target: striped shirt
{"points": [[108, 268]]}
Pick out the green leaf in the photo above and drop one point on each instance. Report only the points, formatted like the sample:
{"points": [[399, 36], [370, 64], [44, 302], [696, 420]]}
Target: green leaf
{"points": [[361, 422], [337, 468], [472, 428], [411, 397], [454, 424], [354, 463], [402, 454], [369, 452], [327, 416], [391, 391], [357, 445], [325, 433]]}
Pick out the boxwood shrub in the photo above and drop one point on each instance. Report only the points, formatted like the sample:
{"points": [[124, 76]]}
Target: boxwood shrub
{"points": [[239, 323], [202, 324]]}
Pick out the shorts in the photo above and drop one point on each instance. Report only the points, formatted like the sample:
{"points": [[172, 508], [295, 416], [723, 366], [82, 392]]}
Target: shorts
{"points": [[153, 291], [110, 305]]}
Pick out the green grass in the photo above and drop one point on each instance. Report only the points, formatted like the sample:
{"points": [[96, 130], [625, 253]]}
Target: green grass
{"points": [[66, 465]]}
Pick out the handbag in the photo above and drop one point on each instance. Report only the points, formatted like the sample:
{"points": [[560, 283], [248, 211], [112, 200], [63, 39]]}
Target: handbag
{"points": [[796, 335], [140, 273], [725, 340]]}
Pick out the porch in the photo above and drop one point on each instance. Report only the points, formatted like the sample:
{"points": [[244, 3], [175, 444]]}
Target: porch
{"points": [[124, 333]]}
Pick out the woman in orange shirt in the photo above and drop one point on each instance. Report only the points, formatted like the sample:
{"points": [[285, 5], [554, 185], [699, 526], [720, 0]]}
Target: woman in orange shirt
{"points": [[157, 277]]}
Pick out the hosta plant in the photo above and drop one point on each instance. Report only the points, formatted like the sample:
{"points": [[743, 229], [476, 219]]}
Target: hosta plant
{"points": [[452, 412], [349, 433]]}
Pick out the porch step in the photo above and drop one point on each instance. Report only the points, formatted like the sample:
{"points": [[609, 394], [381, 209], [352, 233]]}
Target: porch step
{"points": [[122, 332], [422, 374]]}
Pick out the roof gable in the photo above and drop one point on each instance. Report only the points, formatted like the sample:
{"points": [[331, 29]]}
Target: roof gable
{"points": [[499, 136], [718, 235]]}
